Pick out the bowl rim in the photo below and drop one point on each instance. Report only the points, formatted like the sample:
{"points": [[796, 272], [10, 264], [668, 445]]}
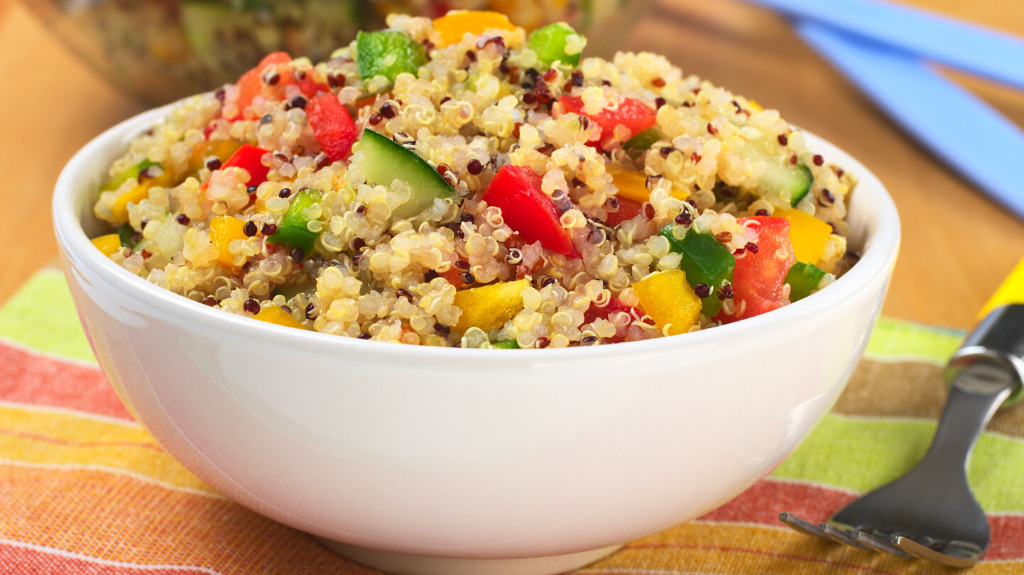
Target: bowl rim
{"points": [[876, 261]]}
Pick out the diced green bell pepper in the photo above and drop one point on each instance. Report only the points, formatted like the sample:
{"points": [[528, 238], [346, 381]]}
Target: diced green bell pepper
{"points": [[705, 261], [803, 279], [126, 233], [388, 53], [293, 229], [642, 142], [506, 344], [550, 43]]}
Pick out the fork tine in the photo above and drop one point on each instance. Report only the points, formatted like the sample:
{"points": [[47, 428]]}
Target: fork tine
{"points": [[841, 536], [801, 525], [914, 548], [878, 544]]}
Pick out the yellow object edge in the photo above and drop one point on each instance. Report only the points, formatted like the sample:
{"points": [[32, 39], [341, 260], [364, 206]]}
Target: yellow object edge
{"points": [[1009, 292]]}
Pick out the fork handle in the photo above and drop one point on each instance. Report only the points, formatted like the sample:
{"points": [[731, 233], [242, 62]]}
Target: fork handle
{"points": [[986, 372], [998, 340], [974, 397]]}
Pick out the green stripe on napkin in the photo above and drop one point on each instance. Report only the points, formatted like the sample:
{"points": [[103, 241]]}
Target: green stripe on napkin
{"points": [[865, 452], [41, 316], [897, 339]]}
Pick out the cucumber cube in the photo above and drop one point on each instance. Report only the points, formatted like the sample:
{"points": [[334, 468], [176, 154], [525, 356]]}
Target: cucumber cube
{"points": [[388, 53], [552, 42], [385, 161]]}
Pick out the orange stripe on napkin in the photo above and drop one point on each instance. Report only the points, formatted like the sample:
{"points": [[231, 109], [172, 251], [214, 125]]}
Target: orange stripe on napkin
{"points": [[114, 518], [22, 558]]}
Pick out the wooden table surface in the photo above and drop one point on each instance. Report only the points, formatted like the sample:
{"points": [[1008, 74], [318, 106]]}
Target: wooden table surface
{"points": [[957, 245]]}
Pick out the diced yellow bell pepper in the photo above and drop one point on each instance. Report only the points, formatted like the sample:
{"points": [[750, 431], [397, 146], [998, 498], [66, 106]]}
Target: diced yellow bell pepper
{"points": [[223, 229], [119, 211], [276, 315], [455, 25], [670, 301], [808, 235], [120, 208], [490, 306], [1010, 291], [108, 244], [222, 149], [632, 185]]}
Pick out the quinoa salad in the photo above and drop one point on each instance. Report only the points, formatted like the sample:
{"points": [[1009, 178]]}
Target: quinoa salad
{"points": [[460, 182]]}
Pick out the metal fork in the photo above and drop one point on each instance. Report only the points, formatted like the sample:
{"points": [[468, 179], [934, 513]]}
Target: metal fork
{"points": [[930, 512]]}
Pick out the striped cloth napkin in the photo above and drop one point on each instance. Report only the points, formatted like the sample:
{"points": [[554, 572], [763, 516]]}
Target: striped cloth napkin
{"points": [[84, 489]]}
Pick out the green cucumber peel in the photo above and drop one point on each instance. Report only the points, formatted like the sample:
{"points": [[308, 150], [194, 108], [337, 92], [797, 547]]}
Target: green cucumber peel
{"points": [[385, 161]]}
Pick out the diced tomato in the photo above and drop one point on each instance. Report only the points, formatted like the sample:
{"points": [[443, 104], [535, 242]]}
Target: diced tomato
{"points": [[628, 209], [614, 305], [631, 113], [332, 125], [310, 87], [758, 278], [454, 277], [438, 8], [251, 84], [527, 209]]}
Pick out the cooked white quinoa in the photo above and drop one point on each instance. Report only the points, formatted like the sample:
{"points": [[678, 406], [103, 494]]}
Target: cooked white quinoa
{"points": [[475, 106]]}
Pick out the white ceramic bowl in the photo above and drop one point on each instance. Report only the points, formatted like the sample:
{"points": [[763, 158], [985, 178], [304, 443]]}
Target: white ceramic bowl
{"points": [[425, 460]]}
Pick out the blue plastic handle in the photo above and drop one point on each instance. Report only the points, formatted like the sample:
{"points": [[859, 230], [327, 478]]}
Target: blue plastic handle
{"points": [[971, 48], [978, 142]]}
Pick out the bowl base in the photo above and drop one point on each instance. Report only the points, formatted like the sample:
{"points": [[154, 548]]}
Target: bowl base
{"points": [[407, 564]]}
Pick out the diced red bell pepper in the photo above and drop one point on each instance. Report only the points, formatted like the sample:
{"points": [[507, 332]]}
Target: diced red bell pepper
{"points": [[248, 157], [758, 278], [332, 125], [631, 113], [527, 209], [614, 305], [628, 209]]}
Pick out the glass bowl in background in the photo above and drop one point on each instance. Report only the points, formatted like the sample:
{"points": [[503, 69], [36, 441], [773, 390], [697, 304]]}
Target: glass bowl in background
{"points": [[162, 50]]}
